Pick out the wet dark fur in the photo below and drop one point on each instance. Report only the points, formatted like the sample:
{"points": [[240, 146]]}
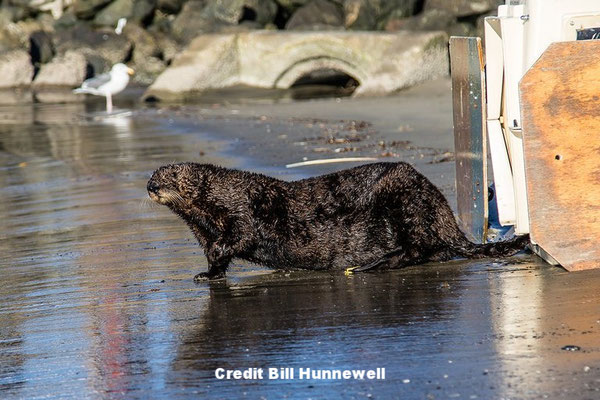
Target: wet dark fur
{"points": [[384, 215]]}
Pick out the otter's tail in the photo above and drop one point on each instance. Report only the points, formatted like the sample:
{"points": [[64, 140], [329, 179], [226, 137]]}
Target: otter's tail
{"points": [[463, 248], [496, 249]]}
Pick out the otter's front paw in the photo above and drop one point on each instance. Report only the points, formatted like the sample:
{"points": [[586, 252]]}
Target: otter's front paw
{"points": [[205, 276], [217, 253]]}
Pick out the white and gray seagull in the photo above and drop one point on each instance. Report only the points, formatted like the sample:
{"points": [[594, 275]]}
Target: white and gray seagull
{"points": [[107, 84]]}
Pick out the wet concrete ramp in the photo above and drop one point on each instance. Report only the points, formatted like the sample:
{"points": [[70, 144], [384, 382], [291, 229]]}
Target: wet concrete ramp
{"points": [[380, 62]]}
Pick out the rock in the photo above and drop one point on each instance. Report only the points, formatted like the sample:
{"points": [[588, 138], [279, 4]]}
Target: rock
{"points": [[381, 62], [102, 49], [138, 11], [191, 22], [143, 10], [317, 15], [147, 70], [8, 40], [29, 26], [463, 8], [16, 35], [110, 15], [64, 70], [170, 6], [463, 29], [115, 49], [233, 12], [226, 11], [86, 9], [55, 7], [168, 48], [359, 15], [147, 54], [198, 17], [95, 63], [46, 22], [396, 9], [291, 5], [161, 23], [41, 47], [365, 11], [262, 12], [67, 21], [221, 16], [430, 20], [16, 69], [12, 14], [144, 43], [220, 67]]}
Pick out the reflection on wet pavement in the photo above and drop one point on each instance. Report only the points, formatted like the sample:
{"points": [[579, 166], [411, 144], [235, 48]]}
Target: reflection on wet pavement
{"points": [[98, 300]]}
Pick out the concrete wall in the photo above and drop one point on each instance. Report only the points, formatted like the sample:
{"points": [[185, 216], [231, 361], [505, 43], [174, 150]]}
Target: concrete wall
{"points": [[381, 62]]}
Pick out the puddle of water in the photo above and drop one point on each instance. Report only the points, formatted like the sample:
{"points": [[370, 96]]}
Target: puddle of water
{"points": [[98, 300]]}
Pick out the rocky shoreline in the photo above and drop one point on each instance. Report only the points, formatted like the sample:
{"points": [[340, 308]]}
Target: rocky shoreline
{"points": [[59, 43]]}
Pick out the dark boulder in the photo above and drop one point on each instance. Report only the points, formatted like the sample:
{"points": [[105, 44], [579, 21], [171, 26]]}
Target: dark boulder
{"points": [[139, 11], [102, 49], [191, 22], [147, 55], [291, 5], [110, 15], [144, 43], [360, 15], [232, 12], [143, 10], [86, 9], [317, 15], [170, 6], [66, 21], [41, 47], [169, 48], [262, 12], [431, 20], [375, 14], [198, 17]]}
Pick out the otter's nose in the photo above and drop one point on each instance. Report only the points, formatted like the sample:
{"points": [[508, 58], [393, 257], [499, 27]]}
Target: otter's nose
{"points": [[152, 187]]}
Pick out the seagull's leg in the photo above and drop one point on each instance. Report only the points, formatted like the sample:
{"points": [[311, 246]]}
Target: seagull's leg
{"points": [[108, 103]]}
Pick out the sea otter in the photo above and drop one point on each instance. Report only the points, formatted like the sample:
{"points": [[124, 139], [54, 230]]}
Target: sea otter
{"points": [[375, 216]]}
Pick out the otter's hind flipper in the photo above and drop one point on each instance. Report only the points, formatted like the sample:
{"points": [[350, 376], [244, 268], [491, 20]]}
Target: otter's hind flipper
{"points": [[494, 249], [393, 259]]}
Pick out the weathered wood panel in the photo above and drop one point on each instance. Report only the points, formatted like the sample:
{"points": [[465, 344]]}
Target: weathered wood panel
{"points": [[560, 114], [468, 97]]}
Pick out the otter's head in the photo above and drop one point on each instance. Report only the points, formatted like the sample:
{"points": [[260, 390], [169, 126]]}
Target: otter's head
{"points": [[174, 185]]}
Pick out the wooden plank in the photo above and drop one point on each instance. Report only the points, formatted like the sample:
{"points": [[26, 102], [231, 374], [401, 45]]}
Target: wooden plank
{"points": [[468, 97], [560, 110]]}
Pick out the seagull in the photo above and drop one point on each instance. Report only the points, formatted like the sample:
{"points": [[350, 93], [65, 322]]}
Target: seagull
{"points": [[107, 84]]}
